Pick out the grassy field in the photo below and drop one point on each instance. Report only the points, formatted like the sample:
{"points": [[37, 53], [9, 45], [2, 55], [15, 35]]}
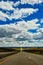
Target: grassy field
{"points": [[34, 50]]}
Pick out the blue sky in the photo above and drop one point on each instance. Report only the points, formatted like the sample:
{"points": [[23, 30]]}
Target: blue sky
{"points": [[21, 23]]}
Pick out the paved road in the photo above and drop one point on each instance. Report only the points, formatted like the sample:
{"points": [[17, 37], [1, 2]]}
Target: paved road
{"points": [[23, 58]]}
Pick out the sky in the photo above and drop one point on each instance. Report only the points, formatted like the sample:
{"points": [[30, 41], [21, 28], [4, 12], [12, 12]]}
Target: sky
{"points": [[21, 23]]}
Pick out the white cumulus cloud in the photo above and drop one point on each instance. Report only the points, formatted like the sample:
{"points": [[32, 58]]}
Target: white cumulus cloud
{"points": [[23, 12], [6, 5], [17, 35], [17, 13], [32, 2]]}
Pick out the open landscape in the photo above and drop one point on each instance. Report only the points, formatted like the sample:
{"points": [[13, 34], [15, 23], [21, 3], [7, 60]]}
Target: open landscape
{"points": [[9, 51], [21, 56], [21, 32]]}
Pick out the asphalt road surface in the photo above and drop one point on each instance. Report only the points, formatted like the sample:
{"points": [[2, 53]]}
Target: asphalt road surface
{"points": [[23, 58]]}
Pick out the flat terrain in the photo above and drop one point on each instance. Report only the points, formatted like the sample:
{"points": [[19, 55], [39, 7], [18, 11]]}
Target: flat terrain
{"points": [[23, 58], [5, 54]]}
